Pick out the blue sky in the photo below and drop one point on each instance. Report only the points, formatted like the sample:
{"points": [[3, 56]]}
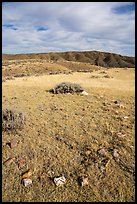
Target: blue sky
{"points": [[40, 27]]}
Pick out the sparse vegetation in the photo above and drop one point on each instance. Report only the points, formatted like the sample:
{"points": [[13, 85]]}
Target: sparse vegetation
{"points": [[12, 120], [22, 75], [89, 140]]}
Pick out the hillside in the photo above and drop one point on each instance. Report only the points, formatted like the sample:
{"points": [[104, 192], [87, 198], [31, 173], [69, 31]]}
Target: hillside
{"points": [[103, 59]]}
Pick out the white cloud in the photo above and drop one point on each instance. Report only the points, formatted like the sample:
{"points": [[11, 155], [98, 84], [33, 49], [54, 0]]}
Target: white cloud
{"points": [[71, 26]]}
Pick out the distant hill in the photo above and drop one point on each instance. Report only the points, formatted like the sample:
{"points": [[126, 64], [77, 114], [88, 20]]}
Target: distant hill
{"points": [[103, 59]]}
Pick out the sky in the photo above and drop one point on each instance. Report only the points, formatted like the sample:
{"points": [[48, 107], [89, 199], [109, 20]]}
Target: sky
{"points": [[41, 27]]}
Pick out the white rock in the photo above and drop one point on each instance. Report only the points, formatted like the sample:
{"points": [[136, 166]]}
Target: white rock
{"points": [[115, 154], [59, 181], [27, 181], [126, 117], [84, 93]]}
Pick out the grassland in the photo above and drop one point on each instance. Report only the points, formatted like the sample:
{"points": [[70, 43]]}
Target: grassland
{"points": [[64, 133]]}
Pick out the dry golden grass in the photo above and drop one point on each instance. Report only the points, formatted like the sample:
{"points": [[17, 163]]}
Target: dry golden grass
{"points": [[63, 134]]}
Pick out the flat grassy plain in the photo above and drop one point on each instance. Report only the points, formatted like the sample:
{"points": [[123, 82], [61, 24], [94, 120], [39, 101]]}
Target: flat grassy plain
{"points": [[64, 133]]}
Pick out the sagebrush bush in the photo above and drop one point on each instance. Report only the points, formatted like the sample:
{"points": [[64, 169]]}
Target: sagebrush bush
{"points": [[107, 76], [12, 120], [67, 87], [22, 75]]}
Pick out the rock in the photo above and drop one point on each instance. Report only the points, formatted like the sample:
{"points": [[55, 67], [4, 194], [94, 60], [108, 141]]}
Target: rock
{"points": [[9, 161], [59, 181], [102, 152], [84, 93], [13, 143], [26, 181], [27, 174], [125, 117], [115, 154]]}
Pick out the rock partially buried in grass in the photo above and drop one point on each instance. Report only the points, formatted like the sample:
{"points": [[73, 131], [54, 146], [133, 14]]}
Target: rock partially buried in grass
{"points": [[59, 181], [26, 182]]}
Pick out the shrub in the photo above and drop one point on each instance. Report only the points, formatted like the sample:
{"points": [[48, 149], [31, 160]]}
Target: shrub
{"points": [[95, 76], [12, 120], [67, 87], [22, 75], [107, 76], [103, 72]]}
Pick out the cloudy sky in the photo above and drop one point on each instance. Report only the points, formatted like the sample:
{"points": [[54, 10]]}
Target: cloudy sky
{"points": [[38, 27]]}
